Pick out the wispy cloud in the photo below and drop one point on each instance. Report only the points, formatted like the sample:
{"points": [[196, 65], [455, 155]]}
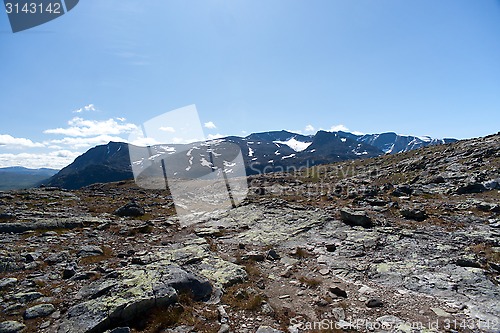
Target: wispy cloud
{"points": [[55, 159], [79, 127], [90, 107], [85, 142], [11, 142], [309, 129], [215, 136], [339, 127], [210, 125]]}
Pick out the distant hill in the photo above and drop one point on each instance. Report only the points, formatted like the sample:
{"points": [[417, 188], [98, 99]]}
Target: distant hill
{"points": [[261, 152], [14, 178], [101, 164]]}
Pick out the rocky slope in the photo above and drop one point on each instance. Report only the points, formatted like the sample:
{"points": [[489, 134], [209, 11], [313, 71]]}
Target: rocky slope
{"points": [[406, 242]]}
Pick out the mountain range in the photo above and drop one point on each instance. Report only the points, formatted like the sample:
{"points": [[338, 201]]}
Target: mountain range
{"points": [[13, 178], [260, 152]]}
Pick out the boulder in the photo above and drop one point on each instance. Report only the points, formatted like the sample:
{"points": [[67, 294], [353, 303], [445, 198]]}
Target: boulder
{"points": [[471, 188], [355, 218], [413, 213], [137, 292], [131, 209], [40, 310]]}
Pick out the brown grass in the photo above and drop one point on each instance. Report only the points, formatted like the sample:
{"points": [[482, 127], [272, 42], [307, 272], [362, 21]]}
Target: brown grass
{"points": [[310, 282]]}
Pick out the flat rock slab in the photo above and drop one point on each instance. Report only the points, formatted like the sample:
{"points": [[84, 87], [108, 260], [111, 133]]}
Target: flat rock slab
{"points": [[11, 326]]}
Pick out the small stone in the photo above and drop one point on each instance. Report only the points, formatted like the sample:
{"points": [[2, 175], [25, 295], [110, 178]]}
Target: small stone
{"points": [[284, 296], [389, 320], [272, 255], [223, 316], [324, 271], [120, 330], [224, 328], [90, 250], [288, 272], [267, 329], [374, 303], [413, 213], [440, 312], [253, 255], [331, 247], [11, 326], [40, 310], [45, 324], [338, 292], [68, 272], [7, 282], [338, 313]]}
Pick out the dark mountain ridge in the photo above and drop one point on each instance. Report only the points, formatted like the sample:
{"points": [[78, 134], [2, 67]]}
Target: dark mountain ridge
{"points": [[261, 153]]}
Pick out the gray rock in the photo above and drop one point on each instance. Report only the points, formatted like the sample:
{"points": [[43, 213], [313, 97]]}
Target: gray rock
{"points": [[273, 255], [402, 190], [493, 184], [54, 223], [131, 209], [120, 330], [7, 282], [253, 255], [40, 310], [374, 303], [27, 297], [138, 291], [11, 326], [57, 258], [90, 250], [413, 213], [224, 328], [471, 188], [356, 218], [267, 329], [338, 292]]}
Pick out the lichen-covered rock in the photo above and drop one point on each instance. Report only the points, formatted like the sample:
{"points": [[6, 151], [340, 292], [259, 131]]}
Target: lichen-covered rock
{"points": [[134, 294], [40, 310], [11, 326]]}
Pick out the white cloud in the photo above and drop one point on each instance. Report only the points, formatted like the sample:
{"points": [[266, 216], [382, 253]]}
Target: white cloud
{"points": [[168, 129], [210, 125], [309, 129], [339, 127], [11, 142], [55, 159], [80, 127], [85, 142], [90, 107], [215, 136]]}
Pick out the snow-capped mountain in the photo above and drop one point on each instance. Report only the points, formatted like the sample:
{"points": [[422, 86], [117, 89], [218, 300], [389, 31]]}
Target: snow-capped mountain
{"points": [[259, 153]]}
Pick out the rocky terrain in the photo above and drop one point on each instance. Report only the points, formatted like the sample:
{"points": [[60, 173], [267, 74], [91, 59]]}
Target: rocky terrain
{"points": [[397, 243]]}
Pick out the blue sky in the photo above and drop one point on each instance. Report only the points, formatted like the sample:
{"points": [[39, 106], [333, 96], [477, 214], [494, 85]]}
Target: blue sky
{"points": [[413, 67]]}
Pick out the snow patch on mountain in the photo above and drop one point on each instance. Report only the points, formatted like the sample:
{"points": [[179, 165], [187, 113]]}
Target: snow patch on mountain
{"points": [[295, 144]]}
